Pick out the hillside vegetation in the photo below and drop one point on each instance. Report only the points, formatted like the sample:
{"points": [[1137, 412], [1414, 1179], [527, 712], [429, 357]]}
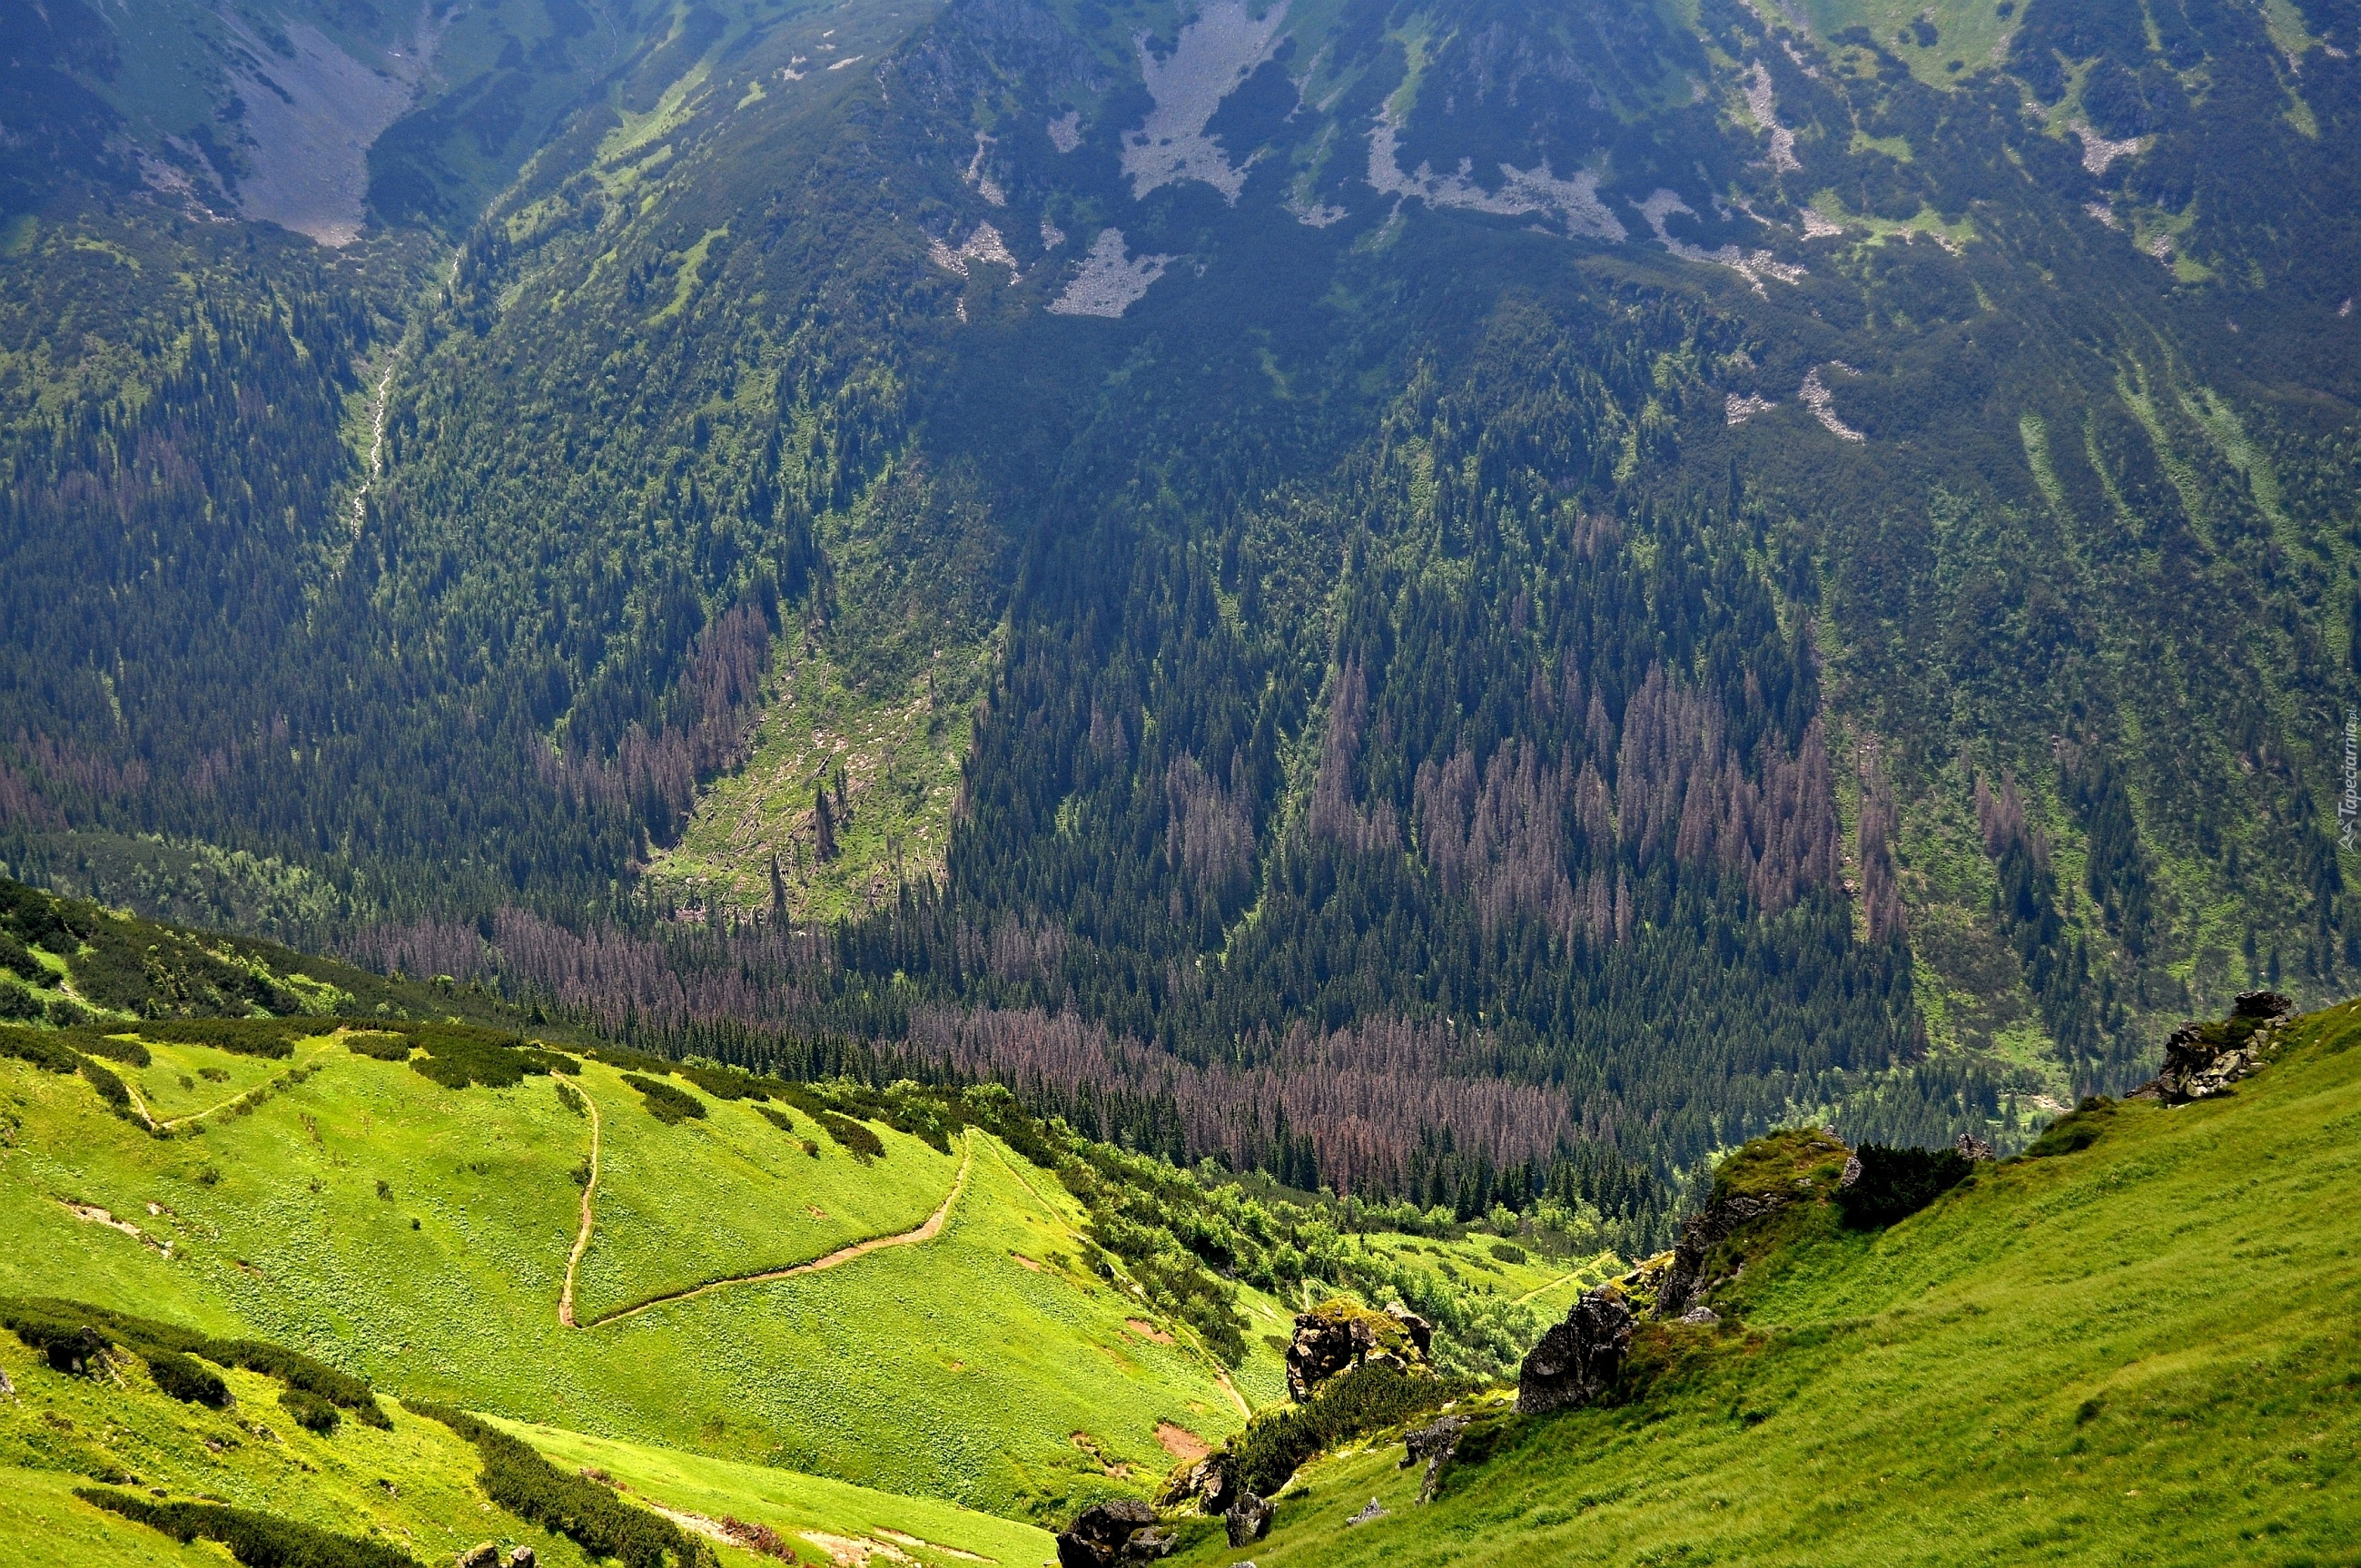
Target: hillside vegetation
{"points": [[2130, 1345]]}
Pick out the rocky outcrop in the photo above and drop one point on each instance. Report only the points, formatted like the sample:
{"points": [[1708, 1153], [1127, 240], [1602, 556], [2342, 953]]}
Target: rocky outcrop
{"points": [[1968, 1147], [1687, 1280], [1248, 1519], [522, 1557], [1207, 1484], [1438, 1444], [1110, 1534], [483, 1554], [1578, 1361], [1332, 1340], [2202, 1060]]}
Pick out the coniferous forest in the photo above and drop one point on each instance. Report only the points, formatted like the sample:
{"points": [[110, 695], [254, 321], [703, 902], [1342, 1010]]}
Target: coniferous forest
{"points": [[1446, 599]]}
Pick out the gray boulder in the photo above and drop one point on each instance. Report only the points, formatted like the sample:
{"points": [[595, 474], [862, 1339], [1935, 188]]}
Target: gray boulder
{"points": [[1438, 1444], [1579, 1360], [1103, 1535], [1248, 1520]]}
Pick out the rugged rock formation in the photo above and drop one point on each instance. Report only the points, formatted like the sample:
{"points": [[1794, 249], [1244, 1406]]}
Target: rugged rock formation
{"points": [[483, 1554], [1336, 1338], [1438, 1444], [1122, 1530], [1578, 1360], [1968, 1147], [1688, 1277], [2202, 1060], [1207, 1482], [1248, 1520]]}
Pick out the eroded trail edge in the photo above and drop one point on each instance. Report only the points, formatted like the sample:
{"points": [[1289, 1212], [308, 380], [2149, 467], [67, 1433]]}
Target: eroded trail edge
{"points": [[841, 1255]]}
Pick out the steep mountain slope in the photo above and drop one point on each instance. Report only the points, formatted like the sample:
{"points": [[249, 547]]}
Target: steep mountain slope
{"points": [[2129, 1350], [1423, 588]]}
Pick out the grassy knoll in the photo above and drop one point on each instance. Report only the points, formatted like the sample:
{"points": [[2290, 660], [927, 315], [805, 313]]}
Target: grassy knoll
{"points": [[418, 1236], [2141, 1352], [412, 1485], [797, 1506]]}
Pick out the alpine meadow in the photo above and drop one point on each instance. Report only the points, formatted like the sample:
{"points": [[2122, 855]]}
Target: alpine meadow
{"points": [[907, 783]]}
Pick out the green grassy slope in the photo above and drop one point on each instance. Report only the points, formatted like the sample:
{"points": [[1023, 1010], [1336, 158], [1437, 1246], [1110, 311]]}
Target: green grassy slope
{"points": [[2143, 1352], [997, 1340]]}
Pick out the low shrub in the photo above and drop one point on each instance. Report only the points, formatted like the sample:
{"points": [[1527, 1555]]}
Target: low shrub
{"points": [[255, 1540], [379, 1046], [40, 1048], [571, 1098], [1368, 1399], [19, 1005], [519, 1479], [273, 1037], [1508, 1252], [2075, 1131], [1895, 1183], [724, 1082], [67, 1013], [17, 958], [309, 1411], [458, 1055], [777, 1118], [129, 1052], [110, 1087], [186, 1378], [856, 1137], [666, 1102]]}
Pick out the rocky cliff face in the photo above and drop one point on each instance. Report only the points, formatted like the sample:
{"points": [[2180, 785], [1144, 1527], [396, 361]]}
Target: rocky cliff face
{"points": [[1579, 1360]]}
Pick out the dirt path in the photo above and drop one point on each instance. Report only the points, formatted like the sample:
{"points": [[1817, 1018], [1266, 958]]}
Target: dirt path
{"points": [[582, 1233], [841, 1255]]}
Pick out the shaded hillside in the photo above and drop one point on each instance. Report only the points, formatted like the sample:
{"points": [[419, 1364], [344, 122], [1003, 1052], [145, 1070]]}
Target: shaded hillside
{"points": [[1606, 580]]}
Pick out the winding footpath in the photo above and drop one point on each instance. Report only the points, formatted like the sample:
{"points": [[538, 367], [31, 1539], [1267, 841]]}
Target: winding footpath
{"points": [[582, 1233], [841, 1255]]}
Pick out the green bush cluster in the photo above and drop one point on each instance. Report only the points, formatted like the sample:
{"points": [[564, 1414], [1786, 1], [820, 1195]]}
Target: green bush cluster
{"points": [[857, 1139], [48, 1324], [271, 1038], [379, 1046], [129, 1051], [666, 1103], [255, 1540], [519, 1479], [45, 1050], [459, 1054], [1895, 1183], [309, 1411], [19, 1005], [1368, 1399]]}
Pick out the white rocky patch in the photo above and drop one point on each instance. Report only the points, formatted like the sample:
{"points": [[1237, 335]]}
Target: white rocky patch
{"points": [[2098, 152], [1806, 66], [1818, 226], [1110, 281], [1765, 107], [1052, 236], [2104, 213], [1752, 266], [848, 60], [984, 245], [1814, 395], [1214, 55], [1574, 201], [985, 186], [1066, 131], [309, 123], [1738, 409]]}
